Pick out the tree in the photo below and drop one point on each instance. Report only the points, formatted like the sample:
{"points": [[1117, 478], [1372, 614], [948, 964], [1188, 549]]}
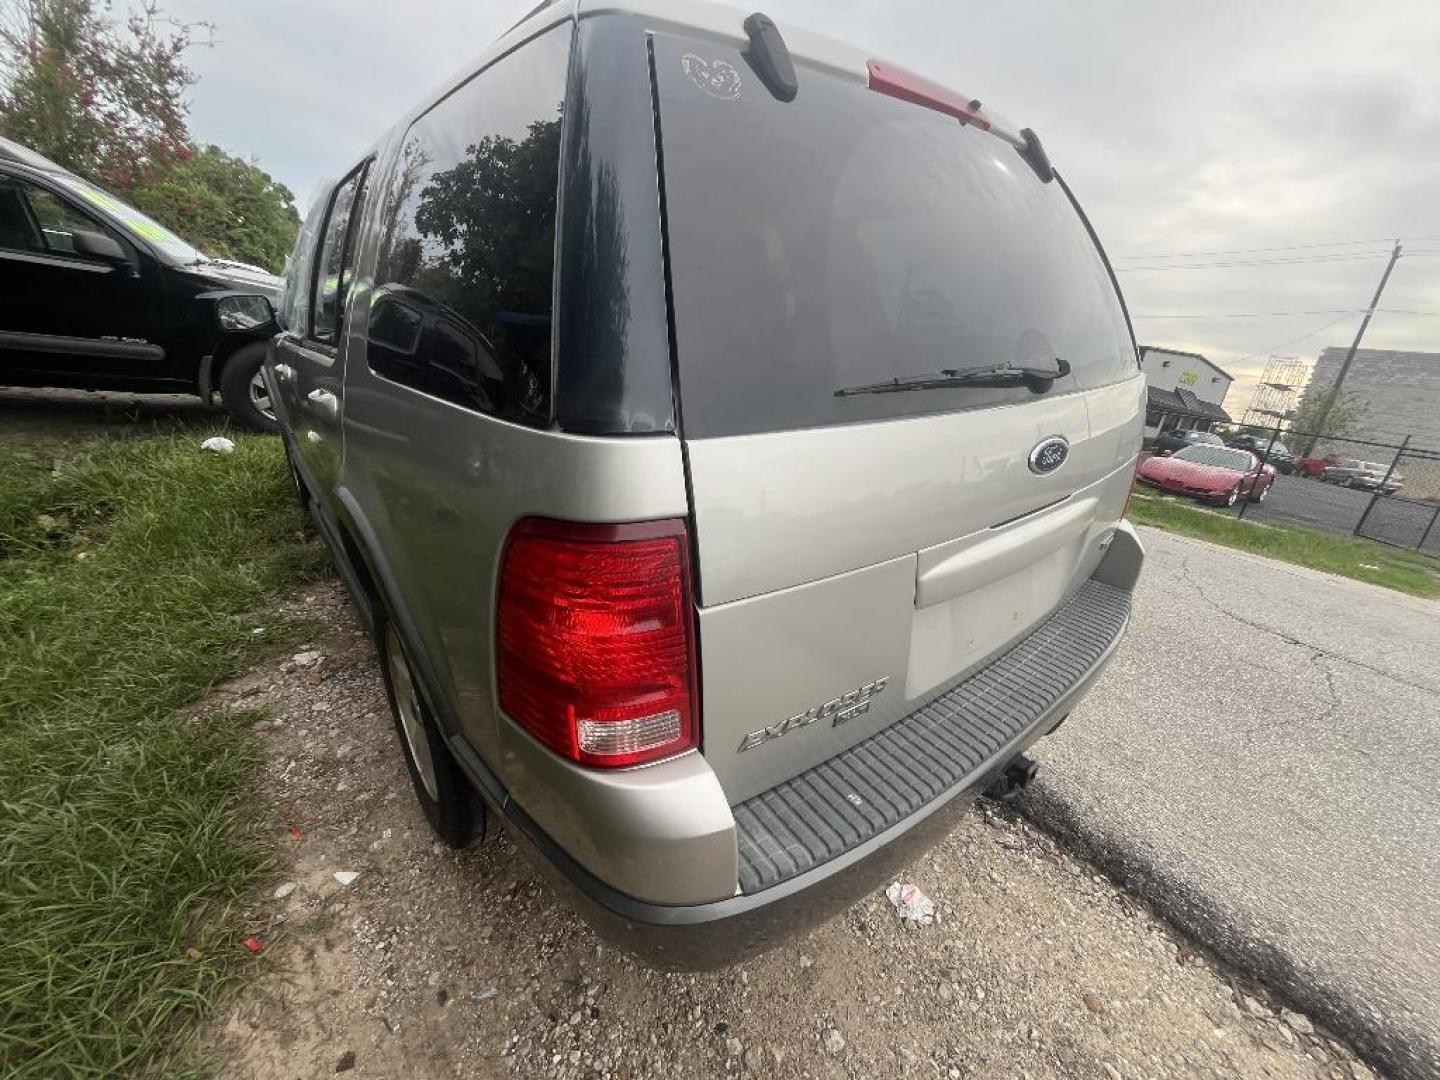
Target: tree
{"points": [[107, 101], [1346, 410], [225, 205], [103, 100]]}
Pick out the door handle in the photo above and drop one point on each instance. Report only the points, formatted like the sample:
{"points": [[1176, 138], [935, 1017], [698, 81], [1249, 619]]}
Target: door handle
{"points": [[325, 402]]}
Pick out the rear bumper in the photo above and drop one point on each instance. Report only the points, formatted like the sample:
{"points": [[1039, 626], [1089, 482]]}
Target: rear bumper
{"points": [[789, 894]]}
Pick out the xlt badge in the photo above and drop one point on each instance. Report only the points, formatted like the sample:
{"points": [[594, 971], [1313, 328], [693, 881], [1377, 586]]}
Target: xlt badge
{"points": [[838, 710]]}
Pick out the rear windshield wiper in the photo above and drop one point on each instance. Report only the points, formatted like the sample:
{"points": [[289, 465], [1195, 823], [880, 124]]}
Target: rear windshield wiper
{"points": [[1037, 379]]}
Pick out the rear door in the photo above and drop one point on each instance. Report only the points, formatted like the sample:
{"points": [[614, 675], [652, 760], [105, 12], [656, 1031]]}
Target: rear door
{"points": [[310, 357], [859, 552]]}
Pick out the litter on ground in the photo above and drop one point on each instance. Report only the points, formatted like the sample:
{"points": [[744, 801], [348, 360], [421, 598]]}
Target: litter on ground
{"points": [[912, 905]]}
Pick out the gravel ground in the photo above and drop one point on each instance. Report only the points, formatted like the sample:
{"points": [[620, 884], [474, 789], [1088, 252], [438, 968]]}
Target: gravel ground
{"points": [[432, 963], [1259, 763]]}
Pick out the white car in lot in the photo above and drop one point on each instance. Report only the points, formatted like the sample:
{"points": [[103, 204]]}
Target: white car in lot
{"points": [[1370, 475]]}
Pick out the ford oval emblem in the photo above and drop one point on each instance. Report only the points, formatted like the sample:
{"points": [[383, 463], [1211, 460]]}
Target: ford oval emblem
{"points": [[1049, 454]]}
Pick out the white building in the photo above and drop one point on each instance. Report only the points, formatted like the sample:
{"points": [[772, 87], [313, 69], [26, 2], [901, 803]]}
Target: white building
{"points": [[1183, 390]]}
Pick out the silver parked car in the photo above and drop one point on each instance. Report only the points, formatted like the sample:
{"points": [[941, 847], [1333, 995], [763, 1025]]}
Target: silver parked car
{"points": [[727, 436], [1370, 475]]}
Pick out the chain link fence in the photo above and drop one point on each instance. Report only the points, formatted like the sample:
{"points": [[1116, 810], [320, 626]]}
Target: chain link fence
{"points": [[1388, 492]]}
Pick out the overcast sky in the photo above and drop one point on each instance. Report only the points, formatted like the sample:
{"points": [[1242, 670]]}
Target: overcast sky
{"points": [[1182, 128]]}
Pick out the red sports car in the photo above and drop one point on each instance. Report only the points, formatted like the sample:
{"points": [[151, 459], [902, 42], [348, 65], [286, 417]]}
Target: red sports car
{"points": [[1215, 474]]}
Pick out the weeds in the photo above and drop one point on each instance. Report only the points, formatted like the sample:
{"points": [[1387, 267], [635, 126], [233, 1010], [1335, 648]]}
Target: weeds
{"points": [[131, 573]]}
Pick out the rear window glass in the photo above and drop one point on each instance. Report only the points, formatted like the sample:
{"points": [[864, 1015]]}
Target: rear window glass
{"points": [[1219, 456], [846, 238]]}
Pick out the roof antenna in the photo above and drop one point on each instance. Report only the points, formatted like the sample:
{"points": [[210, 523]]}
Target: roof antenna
{"points": [[769, 56]]}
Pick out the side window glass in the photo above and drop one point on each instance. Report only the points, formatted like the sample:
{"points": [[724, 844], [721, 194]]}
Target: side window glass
{"points": [[59, 221], [465, 273], [18, 230], [295, 281], [336, 262]]}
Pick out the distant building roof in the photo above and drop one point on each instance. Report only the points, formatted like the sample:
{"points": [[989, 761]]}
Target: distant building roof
{"points": [[1193, 355], [1185, 403]]}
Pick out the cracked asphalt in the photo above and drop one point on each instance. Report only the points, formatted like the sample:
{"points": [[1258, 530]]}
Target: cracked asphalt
{"points": [[1260, 764]]}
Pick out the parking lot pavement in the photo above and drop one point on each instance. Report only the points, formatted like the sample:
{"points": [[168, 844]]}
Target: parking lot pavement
{"points": [[1311, 504], [434, 963], [1260, 763]]}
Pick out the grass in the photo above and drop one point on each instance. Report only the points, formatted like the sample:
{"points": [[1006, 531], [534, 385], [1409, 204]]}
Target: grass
{"points": [[1362, 560], [130, 575]]}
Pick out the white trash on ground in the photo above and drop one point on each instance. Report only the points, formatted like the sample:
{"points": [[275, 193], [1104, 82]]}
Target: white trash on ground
{"points": [[912, 905], [219, 444], [346, 877]]}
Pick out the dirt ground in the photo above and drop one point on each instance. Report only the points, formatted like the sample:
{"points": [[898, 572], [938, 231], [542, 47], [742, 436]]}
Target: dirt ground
{"points": [[33, 415], [432, 963]]}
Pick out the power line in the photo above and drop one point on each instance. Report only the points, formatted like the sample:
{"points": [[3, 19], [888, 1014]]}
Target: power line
{"points": [[1251, 251], [1258, 262], [1402, 311], [1293, 341], [1255, 314]]}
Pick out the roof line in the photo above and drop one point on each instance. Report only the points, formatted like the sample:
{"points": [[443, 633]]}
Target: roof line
{"points": [[1196, 355]]}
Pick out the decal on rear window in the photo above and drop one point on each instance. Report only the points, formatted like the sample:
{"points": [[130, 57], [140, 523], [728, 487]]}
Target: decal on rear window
{"points": [[717, 78]]}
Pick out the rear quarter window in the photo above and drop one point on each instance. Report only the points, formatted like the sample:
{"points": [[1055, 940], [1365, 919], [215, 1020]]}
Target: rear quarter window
{"points": [[462, 308], [847, 238]]}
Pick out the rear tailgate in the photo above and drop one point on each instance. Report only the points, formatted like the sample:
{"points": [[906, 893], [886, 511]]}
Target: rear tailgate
{"points": [[858, 553]]}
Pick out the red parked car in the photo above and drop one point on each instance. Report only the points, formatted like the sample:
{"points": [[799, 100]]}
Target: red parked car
{"points": [[1215, 474], [1315, 466]]}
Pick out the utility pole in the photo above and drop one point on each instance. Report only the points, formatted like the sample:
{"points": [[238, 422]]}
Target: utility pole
{"points": [[1334, 391]]}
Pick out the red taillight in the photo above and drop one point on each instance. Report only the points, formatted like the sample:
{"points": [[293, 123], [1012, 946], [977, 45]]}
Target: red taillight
{"points": [[595, 640], [918, 90]]}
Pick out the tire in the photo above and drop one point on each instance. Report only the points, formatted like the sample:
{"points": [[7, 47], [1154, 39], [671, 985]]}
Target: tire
{"points": [[1233, 497], [441, 789], [1260, 498], [243, 390]]}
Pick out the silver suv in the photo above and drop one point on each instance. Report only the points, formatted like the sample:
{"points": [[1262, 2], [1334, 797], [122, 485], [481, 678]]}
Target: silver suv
{"points": [[727, 436]]}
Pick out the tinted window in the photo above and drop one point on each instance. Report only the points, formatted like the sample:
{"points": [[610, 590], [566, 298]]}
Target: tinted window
{"points": [[1219, 456], [467, 255], [847, 238], [18, 229], [59, 221], [33, 219], [337, 259]]}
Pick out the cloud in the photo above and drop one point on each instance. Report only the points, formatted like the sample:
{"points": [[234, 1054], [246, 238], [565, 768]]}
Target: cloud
{"points": [[1181, 128]]}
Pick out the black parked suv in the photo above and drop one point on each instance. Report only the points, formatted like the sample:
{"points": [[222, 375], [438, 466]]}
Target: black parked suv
{"points": [[95, 295], [1277, 454]]}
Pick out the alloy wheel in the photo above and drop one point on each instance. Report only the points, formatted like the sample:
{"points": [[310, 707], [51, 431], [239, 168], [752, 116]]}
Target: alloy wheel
{"points": [[260, 396], [407, 704]]}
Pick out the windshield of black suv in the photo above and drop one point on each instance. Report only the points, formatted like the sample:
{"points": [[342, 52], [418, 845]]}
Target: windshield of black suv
{"points": [[846, 238], [138, 224], [1219, 456]]}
